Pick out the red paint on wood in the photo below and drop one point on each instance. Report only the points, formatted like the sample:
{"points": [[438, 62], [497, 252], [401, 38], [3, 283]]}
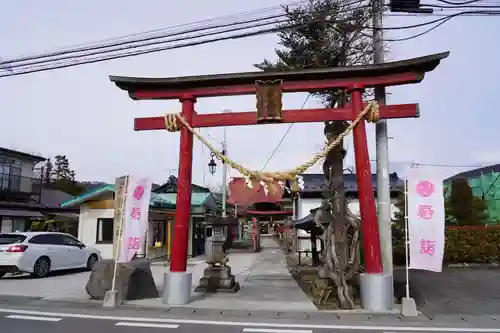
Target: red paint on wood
{"points": [[289, 87], [369, 224], [290, 116], [184, 187]]}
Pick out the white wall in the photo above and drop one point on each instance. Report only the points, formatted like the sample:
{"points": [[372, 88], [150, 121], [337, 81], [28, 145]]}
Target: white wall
{"points": [[304, 207], [87, 228]]}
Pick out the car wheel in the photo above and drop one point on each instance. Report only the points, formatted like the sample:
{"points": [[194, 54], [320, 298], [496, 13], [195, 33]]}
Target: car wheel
{"points": [[41, 268], [2, 274], [91, 261]]}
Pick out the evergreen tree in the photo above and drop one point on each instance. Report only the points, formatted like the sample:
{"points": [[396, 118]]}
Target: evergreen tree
{"points": [[321, 34], [65, 177], [48, 169], [462, 207], [61, 168]]}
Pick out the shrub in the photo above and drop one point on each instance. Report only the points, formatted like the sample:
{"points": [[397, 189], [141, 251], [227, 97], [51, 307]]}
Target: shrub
{"points": [[474, 244]]}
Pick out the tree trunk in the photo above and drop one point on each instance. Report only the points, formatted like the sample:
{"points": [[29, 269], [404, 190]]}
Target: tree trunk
{"points": [[340, 226]]}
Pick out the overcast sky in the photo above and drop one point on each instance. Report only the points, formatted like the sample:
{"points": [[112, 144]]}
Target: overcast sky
{"points": [[78, 112]]}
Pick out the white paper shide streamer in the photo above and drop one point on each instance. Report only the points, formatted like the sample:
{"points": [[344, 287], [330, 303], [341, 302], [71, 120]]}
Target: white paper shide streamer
{"points": [[426, 219]]}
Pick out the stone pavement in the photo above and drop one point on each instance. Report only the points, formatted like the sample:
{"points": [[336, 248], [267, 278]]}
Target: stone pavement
{"points": [[266, 284], [265, 281]]}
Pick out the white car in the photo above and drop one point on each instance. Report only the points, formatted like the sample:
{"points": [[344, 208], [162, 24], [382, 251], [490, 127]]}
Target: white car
{"points": [[39, 253]]}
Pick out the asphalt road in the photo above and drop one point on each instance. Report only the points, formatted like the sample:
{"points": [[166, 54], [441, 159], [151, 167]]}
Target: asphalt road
{"points": [[28, 321]]}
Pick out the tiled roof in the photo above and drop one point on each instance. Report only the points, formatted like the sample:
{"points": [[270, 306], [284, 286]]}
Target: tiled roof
{"points": [[315, 182], [165, 200], [241, 195]]}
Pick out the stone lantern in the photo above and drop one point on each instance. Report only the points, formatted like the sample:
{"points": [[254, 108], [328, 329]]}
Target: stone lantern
{"points": [[217, 276]]}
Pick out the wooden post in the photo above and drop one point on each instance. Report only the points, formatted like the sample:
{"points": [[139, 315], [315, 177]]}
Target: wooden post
{"points": [[120, 184]]}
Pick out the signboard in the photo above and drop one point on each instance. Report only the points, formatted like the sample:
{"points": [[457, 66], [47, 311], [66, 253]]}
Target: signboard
{"points": [[135, 217], [426, 219], [120, 184]]}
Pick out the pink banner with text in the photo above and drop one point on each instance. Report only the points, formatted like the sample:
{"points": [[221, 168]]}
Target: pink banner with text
{"points": [[426, 219]]}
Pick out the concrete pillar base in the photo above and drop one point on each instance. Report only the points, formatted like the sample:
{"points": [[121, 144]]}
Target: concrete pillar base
{"points": [[111, 300], [177, 288], [376, 292], [408, 307]]}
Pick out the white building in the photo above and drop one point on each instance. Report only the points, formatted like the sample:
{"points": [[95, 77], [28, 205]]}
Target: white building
{"points": [[96, 221], [310, 197]]}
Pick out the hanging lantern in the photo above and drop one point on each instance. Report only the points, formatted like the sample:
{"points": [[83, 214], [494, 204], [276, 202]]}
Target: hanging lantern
{"points": [[212, 166]]}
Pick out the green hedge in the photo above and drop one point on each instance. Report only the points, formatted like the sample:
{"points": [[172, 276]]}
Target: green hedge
{"points": [[463, 245]]}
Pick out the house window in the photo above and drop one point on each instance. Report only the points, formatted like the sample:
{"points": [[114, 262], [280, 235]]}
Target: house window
{"points": [[10, 174], [104, 231], [159, 231]]}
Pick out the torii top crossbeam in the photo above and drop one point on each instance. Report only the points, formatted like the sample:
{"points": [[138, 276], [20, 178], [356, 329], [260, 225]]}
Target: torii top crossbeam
{"points": [[311, 80], [268, 88], [231, 84]]}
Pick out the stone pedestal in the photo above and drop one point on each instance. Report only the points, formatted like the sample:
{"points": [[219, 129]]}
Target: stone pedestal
{"points": [[177, 288], [376, 292], [218, 278]]}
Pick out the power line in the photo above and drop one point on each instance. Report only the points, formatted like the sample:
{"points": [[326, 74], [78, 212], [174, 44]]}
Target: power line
{"points": [[283, 137], [58, 65], [453, 3], [118, 46], [439, 22], [145, 37], [461, 6], [441, 165], [85, 59], [29, 68]]}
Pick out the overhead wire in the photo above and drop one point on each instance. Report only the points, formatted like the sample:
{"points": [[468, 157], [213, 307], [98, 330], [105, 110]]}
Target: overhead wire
{"points": [[145, 37], [61, 62], [56, 65], [283, 137], [146, 34], [439, 22]]}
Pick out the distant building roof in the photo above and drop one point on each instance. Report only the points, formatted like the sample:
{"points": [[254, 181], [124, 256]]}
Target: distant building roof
{"points": [[16, 153], [474, 173], [171, 187], [54, 197], [315, 182], [165, 200], [241, 195]]}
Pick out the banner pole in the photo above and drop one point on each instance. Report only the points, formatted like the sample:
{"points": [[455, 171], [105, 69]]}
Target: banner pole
{"points": [[407, 238], [120, 233]]}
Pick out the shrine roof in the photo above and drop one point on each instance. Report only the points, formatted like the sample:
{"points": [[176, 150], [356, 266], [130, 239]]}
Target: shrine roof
{"points": [[416, 65]]}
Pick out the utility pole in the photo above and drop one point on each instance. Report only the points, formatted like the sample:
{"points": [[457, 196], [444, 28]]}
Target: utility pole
{"points": [[224, 177], [382, 150]]}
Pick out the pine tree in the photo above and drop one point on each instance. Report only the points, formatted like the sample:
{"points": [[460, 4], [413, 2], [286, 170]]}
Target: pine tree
{"points": [[62, 169], [47, 172], [320, 34], [65, 177]]}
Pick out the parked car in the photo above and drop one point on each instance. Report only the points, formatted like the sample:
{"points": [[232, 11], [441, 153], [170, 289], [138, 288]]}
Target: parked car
{"points": [[40, 253]]}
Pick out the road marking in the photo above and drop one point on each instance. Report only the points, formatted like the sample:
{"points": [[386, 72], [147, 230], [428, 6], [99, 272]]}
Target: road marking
{"points": [[34, 318], [132, 324], [391, 329], [273, 330]]}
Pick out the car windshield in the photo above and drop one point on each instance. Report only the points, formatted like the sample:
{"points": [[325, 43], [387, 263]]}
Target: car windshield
{"points": [[11, 239]]}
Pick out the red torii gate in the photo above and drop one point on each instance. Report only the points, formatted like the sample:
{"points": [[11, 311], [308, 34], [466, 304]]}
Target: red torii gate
{"points": [[353, 79]]}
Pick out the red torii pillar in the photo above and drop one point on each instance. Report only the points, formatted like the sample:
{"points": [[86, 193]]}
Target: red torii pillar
{"points": [[353, 79]]}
